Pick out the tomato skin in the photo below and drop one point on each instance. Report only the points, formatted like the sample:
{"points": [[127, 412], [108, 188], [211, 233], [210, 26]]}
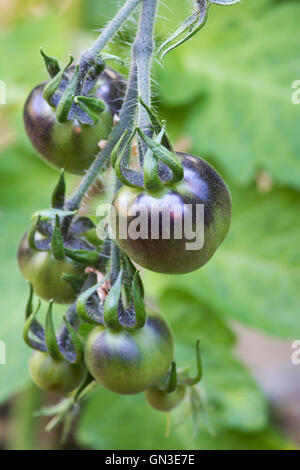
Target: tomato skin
{"points": [[201, 185], [44, 272], [129, 362], [55, 376], [69, 145], [163, 401]]}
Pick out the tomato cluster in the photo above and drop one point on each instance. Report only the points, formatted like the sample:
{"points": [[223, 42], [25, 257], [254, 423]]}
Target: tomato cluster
{"points": [[186, 211]]}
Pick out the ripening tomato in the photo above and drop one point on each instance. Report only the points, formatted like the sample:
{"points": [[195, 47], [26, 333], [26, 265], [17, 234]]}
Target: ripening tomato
{"points": [[44, 272], [177, 229], [129, 362], [71, 145], [55, 376], [163, 401]]}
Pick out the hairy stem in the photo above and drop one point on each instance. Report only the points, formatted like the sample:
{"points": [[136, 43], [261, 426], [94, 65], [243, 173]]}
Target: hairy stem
{"points": [[88, 57], [127, 117], [142, 53], [138, 84]]}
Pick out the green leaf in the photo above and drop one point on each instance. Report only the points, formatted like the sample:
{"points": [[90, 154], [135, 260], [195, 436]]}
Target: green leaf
{"points": [[238, 73]]}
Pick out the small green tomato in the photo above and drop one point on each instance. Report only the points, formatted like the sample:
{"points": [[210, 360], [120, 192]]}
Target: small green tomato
{"points": [[129, 362], [55, 376]]}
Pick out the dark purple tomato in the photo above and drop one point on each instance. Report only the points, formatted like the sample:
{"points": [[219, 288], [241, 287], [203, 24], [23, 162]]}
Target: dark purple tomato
{"points": [[178, 229], [163, 401], [55, 376], [129, 362], [71, 145]]}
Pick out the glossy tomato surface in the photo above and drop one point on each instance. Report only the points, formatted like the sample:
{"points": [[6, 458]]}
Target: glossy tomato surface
{"points": [[199, 206], [129, 362], [71, 145]]}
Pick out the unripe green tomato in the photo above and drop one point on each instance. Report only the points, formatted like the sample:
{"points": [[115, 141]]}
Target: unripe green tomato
{"points": [[55, 376], [44, 272], [129, 362], [71, 145], [163, 401], [201, 188]]}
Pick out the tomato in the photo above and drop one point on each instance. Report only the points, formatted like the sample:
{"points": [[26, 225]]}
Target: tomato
{"points": [[55, 376], [163, 401], [71, 145], [44, 272], [201, 187], [129, 362]]}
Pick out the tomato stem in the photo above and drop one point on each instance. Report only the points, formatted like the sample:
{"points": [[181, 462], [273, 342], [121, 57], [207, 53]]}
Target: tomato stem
{"points": [[88, 57], [138, 83], [142, 53]]}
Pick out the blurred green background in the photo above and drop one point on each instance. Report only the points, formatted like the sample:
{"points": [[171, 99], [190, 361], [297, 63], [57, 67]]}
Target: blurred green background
{"points": [[226, 96]]}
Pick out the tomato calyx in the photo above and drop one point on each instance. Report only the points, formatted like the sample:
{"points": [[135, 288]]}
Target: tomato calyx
{"points": [[62, 232], [122, 306], [64, 346], [71, 101], [159, 164]]}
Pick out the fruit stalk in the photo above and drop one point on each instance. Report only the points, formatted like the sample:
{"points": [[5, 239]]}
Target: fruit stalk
{"points": [[107, 34], [142, 53], [139, 82]]}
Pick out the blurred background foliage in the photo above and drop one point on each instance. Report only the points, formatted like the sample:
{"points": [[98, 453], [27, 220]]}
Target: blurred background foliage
{"points": [[226, 96]]}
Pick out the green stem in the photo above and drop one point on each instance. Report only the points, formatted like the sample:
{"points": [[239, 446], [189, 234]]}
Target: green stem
{"points": [[127, 116], [139, 83], [142, 52], [89, 56]]}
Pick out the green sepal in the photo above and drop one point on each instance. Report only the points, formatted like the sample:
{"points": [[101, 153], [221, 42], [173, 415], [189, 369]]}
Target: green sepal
{"points": [[90, 258], [114, 153], [191, 382], [136, 179], [57, 242], [167, 157], [58, 195], [31, 234], [76, 341], [67, 99], [157, 125], [152, 182], [29, 320], [138, 302], [192, 25], [50, 214], [51, 64], [99, 64], [106, 56], [172, 383], [131, 269], [83, 298], [82, 388], [54, 84], [50, 336], [29, 305], [91, 106], [74, 281], [111, 304]]}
